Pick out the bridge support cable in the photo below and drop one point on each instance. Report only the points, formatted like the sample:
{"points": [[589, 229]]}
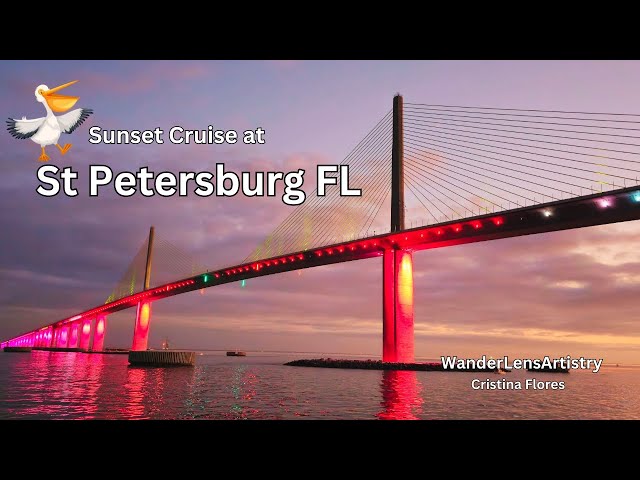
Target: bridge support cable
{"points": [[333, 218], [307, 215], [482, 159], [169, 262]]}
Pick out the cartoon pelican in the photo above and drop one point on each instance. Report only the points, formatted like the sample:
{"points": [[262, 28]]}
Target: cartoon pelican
{"points": [[46, 131]]}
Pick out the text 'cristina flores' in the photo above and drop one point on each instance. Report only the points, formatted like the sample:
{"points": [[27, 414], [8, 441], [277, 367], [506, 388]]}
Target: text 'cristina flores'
{"points": [[221, 183]]}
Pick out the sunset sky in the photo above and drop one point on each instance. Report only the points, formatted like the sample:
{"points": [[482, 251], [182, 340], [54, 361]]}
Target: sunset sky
{"points": [[572, 292]]}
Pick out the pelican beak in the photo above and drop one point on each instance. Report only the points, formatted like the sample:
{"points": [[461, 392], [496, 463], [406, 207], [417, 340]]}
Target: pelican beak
{"points": [[60, 103]]}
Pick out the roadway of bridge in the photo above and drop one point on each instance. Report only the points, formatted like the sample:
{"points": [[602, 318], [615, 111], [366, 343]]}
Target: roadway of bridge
{"points": [[598, 209]]}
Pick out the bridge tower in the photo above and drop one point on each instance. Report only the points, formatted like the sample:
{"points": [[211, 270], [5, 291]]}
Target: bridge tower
{"points": [[143, 311], [397, 263]]}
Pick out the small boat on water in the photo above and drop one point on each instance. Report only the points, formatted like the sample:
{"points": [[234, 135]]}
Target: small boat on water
{"points": [[236, 353]]}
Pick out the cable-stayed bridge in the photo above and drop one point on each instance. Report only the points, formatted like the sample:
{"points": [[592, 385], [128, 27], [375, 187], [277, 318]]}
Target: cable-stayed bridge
{"points": [[443, 175]]}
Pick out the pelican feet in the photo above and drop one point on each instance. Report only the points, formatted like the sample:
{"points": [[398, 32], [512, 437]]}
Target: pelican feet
{"points": [[43, 157], [64, 149]]}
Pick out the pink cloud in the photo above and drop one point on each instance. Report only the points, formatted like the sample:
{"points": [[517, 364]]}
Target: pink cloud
{"points": [[150, 75], [284, 64]]}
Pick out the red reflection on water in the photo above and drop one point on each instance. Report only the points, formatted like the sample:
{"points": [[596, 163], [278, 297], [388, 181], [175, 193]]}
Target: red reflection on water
{"points": [[75, 385], [401, 395], [55, 384], [135, 393], [244, 389], [146, 388]]}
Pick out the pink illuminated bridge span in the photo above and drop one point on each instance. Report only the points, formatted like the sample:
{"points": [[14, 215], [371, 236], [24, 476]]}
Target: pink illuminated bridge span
{"points": [[598, 209]]}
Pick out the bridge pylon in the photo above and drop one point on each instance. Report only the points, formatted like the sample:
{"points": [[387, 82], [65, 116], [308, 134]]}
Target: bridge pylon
{"points": [[143, 311], [397, 263]]}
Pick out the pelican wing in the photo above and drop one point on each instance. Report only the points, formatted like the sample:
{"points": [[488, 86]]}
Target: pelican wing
{"points": [[72, 120], [24, 128]]}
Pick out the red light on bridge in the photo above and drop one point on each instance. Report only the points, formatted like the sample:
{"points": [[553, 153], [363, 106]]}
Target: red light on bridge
{"points": [[375, 243], [477, 224], [341, 249], [301, 257], [353, 248], [498, 221], [246, 269], [144, 315], [457, 228], [605, 202], [292, 258], [268, 264], [439, 232], [319, 253], [275, 262], [329, 251], [217, 275]]}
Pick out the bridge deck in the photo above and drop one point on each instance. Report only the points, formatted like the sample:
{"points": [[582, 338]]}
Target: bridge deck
{"points": [[598, 209]]}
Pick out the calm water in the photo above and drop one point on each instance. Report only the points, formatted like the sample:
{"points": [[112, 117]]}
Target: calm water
{"points": [[79, 386]]}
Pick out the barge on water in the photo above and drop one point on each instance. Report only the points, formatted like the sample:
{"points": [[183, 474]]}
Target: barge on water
{"points": [[236, 353]]}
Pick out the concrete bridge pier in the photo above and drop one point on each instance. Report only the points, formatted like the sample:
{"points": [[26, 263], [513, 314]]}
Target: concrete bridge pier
{"points": [[85, 334], [143, 312], [63, 337], [99, 330], [141, 328], [397, 306], [73, 335]]}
